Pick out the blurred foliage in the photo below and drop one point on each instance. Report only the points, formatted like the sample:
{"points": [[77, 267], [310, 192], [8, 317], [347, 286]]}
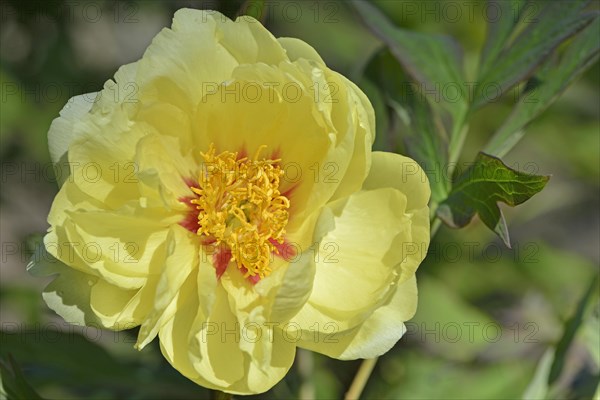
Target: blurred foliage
{"points": [[490, 319]]}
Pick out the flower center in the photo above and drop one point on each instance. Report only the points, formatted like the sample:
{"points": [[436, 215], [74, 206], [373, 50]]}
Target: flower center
{"points": [[240, 206]]}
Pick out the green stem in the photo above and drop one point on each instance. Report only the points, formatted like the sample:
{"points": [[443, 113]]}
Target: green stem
{"points": [[361, 378], [457, 140]]}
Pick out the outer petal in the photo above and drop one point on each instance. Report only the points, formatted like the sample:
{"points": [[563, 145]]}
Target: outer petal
{"points": [[354, 275], [240, 358], [360, 162], [69, 293], [296, 49], [76, 119], [392, 240], [102, 151], [62, 132], [402, 173], [375, 336], [120, 248]]}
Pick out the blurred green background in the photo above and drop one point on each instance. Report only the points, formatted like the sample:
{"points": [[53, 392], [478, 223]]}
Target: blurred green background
{"points": [[487, 314]]}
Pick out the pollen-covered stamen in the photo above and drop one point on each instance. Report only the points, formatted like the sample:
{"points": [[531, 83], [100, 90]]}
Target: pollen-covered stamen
{"points": [[240, 206]]}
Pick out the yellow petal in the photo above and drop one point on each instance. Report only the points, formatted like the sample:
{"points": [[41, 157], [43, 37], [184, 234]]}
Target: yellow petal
{"points": [[175, 70], [78, 120], [193, 305], [402, 173], [180, 264], [117, 308], [373, 337], [294, 291], [120, 248], [69, 293], [364, 123], [351, 273], [164, 170], [236, 357], [278, 296], [249, 41], [355, 273], [62, 132], [175, 333], [102, 165], [296, 49]]}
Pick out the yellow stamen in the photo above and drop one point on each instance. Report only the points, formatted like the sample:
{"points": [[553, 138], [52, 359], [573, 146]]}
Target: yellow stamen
{"points": [[240, 205]]}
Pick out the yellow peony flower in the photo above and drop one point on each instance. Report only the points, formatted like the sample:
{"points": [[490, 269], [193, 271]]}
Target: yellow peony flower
{"points": [[221, 193]]}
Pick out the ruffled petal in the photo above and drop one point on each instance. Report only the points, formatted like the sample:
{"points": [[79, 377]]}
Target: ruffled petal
{"points": [[225, 354], [117, 247], [193, 305], [180, 266], [277, 297]]}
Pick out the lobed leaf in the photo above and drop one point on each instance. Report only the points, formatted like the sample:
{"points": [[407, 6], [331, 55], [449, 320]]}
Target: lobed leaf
{"points": [[479, 189]]}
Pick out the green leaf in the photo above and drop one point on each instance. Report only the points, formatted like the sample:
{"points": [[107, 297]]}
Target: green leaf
{"points": [[13, 384], [544, 32], [434, 61], [571, 327], [499, 31], [418, 125], [550, 83], [383, 140], [479, 189]]}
